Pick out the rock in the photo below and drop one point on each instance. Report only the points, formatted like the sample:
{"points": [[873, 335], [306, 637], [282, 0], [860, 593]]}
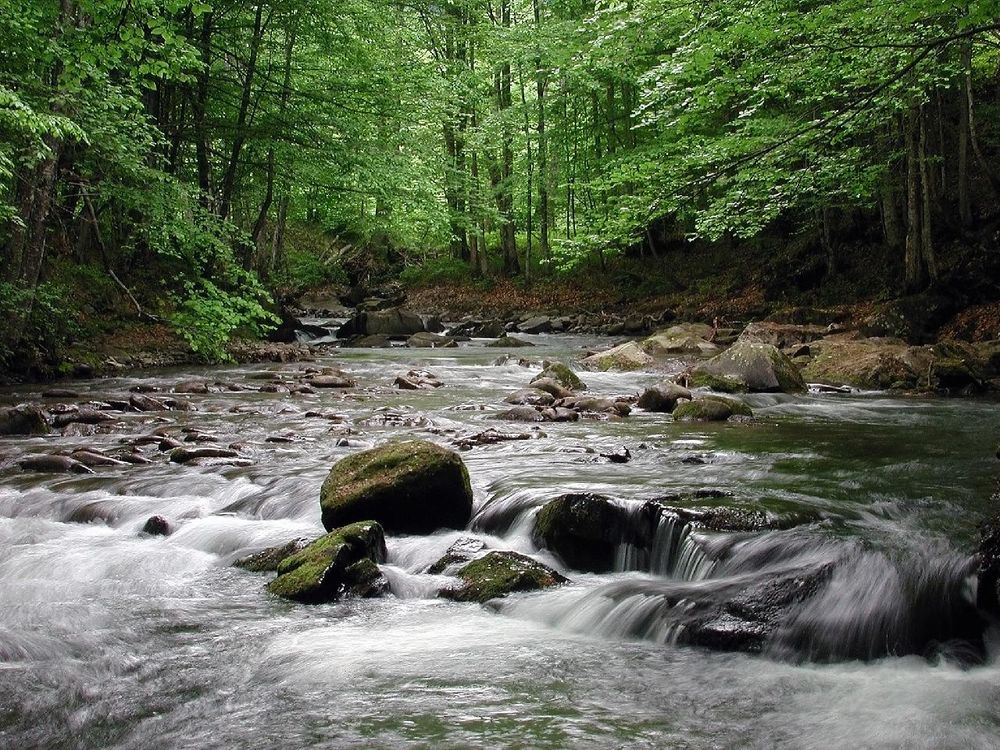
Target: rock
{"points": [[427, 340], [557, 390], [54, 464], [746, 366], [489, 329], [585, 530], [191, 386], [342, 563], [410, 487], [84, 415], [625, 357], [415, 380], [870, 364], [663, 397], [595, 405], [141, 402], [393, 322], [331, 380], [183, 455], [370, 342], [621, 456], [562, 374], [23, 420], [94, 458], [530, 397], [459, 554], [267, 560], [520, 414], [685, 338], [488, 437], [538, 324], [510, 342], [782, 335], [710, 409], [156, 526], [559, 414], [498, 574]]}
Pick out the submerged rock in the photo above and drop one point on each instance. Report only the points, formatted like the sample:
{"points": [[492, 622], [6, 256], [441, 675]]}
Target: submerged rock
{"points": [[520, 414], [562, 374], [23, 420], [410, 487], [331, 380], [498, 574], [428, 340], [747, 366], [342, 563], [157, 526]]}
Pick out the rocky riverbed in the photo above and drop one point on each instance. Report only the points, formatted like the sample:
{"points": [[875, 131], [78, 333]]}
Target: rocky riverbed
{"points": [[800, 573]]}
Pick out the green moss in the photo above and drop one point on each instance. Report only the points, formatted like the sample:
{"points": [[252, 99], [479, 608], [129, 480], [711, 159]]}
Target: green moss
{"points": [[500, 573], [703, 410], [722, 383], [562, 375], [736, 406], [412, 486], [322, 571]]}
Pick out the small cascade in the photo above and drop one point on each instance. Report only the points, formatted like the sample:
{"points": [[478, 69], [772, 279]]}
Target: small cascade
{"points": [[674, 550]]}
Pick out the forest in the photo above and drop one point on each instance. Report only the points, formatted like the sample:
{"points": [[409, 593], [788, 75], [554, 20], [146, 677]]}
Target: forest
{"points": [[199, 163]]}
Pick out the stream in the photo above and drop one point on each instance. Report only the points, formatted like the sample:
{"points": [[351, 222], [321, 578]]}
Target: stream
{"points": [[110, 638]]}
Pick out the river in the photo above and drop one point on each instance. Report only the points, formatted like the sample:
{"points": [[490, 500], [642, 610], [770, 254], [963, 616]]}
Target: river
{"points": [[114, 639]]}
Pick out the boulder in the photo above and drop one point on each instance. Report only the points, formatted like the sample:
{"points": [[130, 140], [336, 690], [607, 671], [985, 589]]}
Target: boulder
{"points": [[183, 455], [23, 420], [83, 415], [342, 563], [510, 342], [562, 374], [586, 530], [393, 322], [498, 574], [156, 526], [331, 380], [782, 335], [710, 409], [378, 341], [520, 414], [625, 357], [530, 397], [663, 397], [537, 324], [746, 366], [551, 386], [410, 487], [427, 340], [685, 338], [267, 560], [458, 555], [54, 464], [595, 404]]}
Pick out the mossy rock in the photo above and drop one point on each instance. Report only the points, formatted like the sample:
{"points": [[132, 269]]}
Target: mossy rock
{"points": [[625, 357], [510, 342], [498, 574], [710, 409], [267, 560], [342, 563], [756, 367], [560, 373], [410, 487], [721, 383], [26, 419], [585, 530]]}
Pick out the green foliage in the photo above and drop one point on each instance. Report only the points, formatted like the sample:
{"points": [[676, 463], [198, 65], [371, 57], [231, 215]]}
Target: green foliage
{"points": [[45, 320], [305, 270], [441, 270]]}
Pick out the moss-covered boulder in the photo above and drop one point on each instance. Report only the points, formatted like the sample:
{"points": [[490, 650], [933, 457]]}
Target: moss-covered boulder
{"points": [[586, 530], [685, 338], [342, 563], [710, 408], [268, 560], [510, 342], [663, 397], [625, 357], [498, 574], [410, 487], [749, 366], [560, 373]]}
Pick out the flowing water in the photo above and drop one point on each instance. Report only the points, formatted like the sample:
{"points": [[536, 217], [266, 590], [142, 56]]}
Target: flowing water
{"points": [[114, 639]]}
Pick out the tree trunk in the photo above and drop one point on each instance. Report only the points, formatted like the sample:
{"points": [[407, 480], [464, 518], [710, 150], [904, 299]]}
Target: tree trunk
{"points": [[199, 106], [240, 129], [964, 202], [914, 277], [926, 239]]}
